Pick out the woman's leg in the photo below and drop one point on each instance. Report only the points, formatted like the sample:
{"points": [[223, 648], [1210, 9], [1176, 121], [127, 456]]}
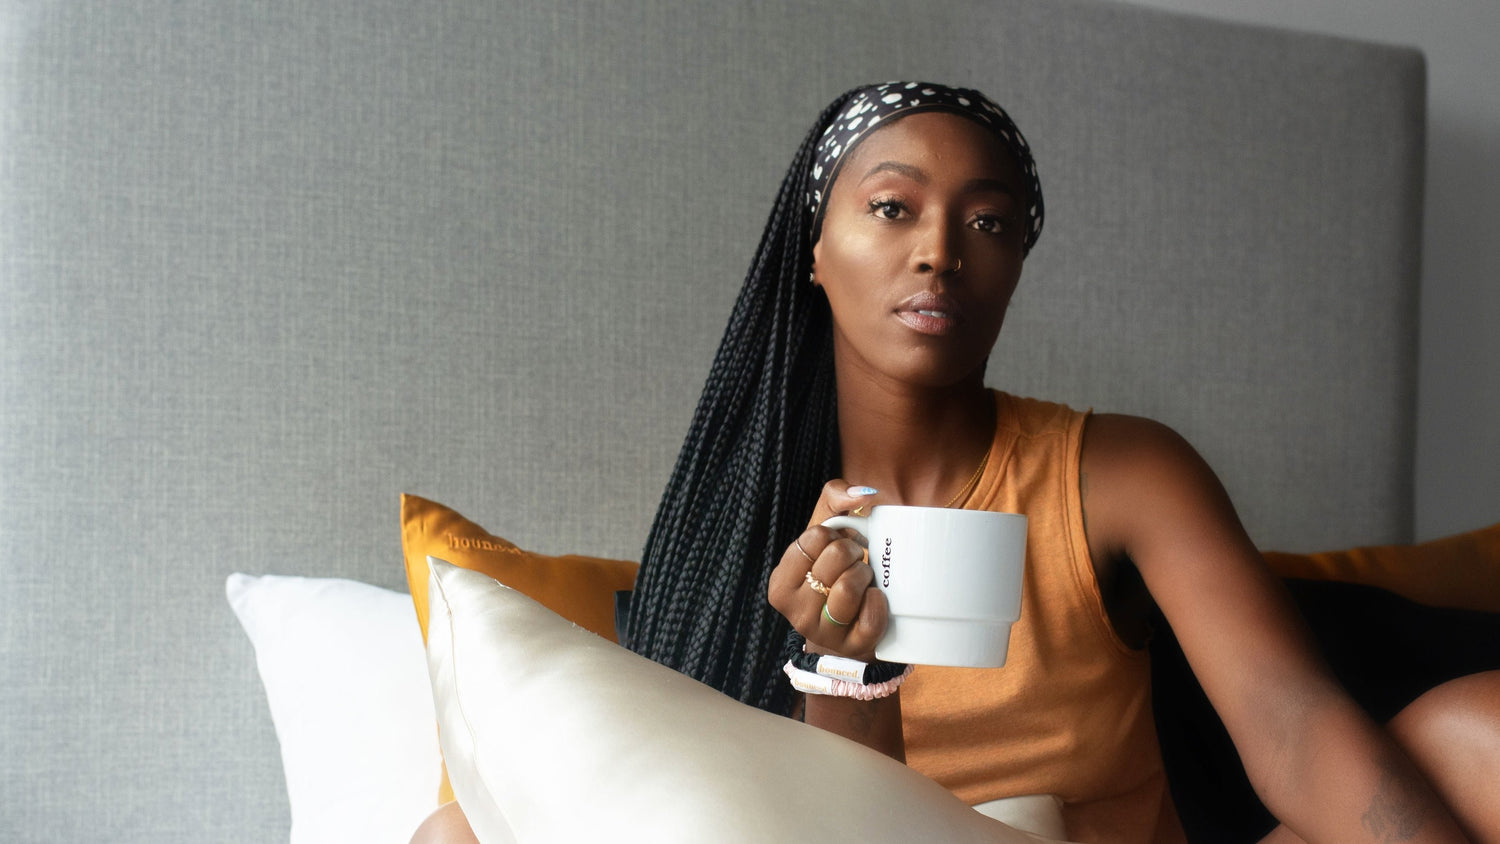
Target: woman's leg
{"points": [[445, 826], [1452, 734]]}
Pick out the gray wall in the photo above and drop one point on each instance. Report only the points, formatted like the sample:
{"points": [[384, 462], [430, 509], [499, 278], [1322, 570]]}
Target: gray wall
{"points": [[266, 264], [1458, 440]]}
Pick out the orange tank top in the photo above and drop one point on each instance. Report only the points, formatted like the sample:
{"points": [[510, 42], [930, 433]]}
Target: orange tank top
{"points": [[1070, 713]]}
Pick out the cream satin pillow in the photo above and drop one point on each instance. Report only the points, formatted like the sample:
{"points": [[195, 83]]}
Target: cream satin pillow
{"points": [[581, 589], [559, 735]]}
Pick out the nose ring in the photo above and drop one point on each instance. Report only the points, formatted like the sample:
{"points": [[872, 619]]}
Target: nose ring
{"points": [[959, 265]]}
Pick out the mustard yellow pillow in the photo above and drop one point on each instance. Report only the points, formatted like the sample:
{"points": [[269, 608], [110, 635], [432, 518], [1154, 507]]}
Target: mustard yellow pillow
{"points": [[1457, 572], [580, 589]]}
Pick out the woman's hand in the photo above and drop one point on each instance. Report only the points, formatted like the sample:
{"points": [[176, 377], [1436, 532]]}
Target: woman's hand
{"points": [[851, 617]]}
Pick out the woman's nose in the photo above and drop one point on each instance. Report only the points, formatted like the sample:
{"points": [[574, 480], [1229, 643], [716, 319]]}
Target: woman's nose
{"points": [[936, 250]]}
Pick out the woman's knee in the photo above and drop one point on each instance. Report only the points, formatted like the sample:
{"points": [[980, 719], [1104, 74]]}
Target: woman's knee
{"points": [[447, 825], [1454, 715], [1452, 733]]}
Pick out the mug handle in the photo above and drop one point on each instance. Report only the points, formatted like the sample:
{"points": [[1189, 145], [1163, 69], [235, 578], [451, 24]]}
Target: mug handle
{"points": [[859, 524]]}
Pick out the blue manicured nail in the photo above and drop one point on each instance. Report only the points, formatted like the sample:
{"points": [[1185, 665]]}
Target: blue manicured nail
{"points": [[862, 491]]}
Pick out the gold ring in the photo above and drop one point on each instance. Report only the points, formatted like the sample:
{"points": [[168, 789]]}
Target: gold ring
{"points": [[816, 584], [857, 511], [828, 615], [798, 542]]}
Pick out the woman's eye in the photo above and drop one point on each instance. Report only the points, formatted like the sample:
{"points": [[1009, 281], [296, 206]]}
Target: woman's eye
{"points": [[989, 223], [889, 209]]}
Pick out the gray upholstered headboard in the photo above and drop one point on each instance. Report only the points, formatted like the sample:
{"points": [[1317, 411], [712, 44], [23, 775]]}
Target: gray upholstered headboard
{"points": [[265, 265]]}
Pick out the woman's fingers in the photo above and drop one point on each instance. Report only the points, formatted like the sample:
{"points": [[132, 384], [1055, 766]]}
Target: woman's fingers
{"points": [[807, 573], [823, 588], [838, 554], [845, 596], [789, 578], [853, 615], [839, 496], [861, 637], [822, 585]]}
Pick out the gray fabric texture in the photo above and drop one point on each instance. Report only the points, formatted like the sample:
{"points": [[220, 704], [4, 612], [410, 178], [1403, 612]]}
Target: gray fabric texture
{"points": [[266, 265]]}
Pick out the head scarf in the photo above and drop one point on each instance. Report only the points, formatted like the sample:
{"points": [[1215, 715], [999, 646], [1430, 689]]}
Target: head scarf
{"points": [[877, 105]]}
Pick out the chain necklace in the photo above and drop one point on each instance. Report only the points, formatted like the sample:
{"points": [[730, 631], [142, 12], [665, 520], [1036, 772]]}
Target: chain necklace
{"points": [[968, 488]]}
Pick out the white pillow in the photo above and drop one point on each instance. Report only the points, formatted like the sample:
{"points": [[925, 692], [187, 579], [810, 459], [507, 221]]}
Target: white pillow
{"points": [[346, 678], [574, 738]]}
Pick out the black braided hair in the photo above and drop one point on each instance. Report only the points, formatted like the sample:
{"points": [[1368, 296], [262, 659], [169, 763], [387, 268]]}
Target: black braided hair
{"points": [[763, 441]]}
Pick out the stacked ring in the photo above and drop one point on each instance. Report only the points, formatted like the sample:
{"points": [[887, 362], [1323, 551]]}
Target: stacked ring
{"points": [[798, 543], [828, 615], [817, 585]]}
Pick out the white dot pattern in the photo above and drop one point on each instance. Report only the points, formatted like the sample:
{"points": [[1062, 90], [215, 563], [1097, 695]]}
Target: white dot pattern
{"points": [[870, 105]]}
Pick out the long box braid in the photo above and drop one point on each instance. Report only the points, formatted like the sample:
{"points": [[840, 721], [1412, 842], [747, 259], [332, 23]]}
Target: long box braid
{"points": [[763, 441]]}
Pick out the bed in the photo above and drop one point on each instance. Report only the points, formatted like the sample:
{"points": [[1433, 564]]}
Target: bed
{"points": [[267, 266]]}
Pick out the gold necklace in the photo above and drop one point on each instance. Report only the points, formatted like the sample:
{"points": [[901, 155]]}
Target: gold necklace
{"points": [[968, 487]]}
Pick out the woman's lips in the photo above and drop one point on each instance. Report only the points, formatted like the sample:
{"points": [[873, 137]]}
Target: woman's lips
{"points": [[930, 313]]}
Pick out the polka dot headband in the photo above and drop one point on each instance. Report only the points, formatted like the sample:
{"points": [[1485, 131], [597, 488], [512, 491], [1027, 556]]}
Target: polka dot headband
{"points": [[879, 104]]}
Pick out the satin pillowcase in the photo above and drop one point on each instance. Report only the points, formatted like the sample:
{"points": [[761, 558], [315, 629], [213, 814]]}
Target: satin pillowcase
{"points": [[580, 589], [559, 735]]}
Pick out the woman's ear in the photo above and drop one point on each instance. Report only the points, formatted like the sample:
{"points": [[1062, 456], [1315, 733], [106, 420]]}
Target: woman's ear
{"points": [[812, 275]]}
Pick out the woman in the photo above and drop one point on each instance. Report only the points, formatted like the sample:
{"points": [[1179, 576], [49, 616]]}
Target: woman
{"points": [[856, 351]]}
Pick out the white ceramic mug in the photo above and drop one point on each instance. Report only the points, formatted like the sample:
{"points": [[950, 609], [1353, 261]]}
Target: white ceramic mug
{"points": [[952, 579]]}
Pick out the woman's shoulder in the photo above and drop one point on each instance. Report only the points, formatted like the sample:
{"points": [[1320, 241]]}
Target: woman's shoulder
{"points": [[1136, 440], [1133, 449], [1140, 474], [1031, 416]]}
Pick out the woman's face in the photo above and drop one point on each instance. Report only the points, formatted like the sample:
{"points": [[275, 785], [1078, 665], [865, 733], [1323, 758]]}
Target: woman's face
{"points": [[913, 200]]}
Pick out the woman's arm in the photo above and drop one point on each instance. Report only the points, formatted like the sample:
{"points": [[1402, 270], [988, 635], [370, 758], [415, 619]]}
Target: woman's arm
{"points": [[874, 723], [1317, 761]]}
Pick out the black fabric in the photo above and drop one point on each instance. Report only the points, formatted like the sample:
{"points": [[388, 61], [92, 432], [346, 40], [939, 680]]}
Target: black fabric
{"points": [[1386, 651]]}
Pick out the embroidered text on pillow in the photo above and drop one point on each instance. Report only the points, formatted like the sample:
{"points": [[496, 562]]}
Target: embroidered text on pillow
{"points": [[465, 543]]}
